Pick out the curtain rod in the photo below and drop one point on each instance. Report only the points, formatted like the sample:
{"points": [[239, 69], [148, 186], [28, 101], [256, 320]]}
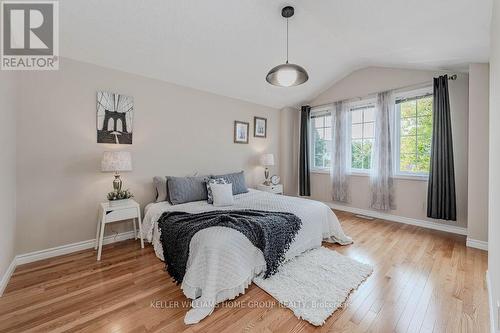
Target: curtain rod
{"points": [[452, 77]]}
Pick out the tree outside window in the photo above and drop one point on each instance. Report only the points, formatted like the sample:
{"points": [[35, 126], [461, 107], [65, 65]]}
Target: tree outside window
{"points": [[415, 128], [321, 141], [362, 137]]}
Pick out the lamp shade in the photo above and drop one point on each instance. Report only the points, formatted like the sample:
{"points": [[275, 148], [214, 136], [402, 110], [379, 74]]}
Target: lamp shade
{"points": [[267, 160], [287, 75], [114, 161]]}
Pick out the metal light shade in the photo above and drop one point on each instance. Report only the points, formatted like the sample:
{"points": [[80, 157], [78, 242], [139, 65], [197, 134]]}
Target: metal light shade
{"points": [[287, 75]]}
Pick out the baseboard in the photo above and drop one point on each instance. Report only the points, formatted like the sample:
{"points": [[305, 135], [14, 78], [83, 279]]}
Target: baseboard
{"points": [[491, 305], [69, 248], [477, 244], [7, 275], [400, 219], [57, 251]]}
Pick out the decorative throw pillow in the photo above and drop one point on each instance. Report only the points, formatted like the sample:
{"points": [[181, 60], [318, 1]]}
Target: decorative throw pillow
{"points": [[160, 184], [238, 181], [209, 189], [222, 194], [186, 189]]}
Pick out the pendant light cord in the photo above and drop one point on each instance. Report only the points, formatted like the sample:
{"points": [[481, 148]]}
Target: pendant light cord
{"points": [[287, 40]]}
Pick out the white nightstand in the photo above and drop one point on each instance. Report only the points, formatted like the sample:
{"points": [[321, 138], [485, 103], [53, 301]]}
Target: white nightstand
{"points": [[113, 212], [276, 189]]}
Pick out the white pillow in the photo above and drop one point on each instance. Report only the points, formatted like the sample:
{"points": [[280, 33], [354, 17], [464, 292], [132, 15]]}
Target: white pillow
{"points": [[222, 194]]}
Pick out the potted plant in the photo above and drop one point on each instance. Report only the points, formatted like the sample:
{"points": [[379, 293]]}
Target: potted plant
{"points": [[118, 197]]}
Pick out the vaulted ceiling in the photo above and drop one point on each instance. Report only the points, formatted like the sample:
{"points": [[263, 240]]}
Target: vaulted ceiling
{"points": [[227, 46]]}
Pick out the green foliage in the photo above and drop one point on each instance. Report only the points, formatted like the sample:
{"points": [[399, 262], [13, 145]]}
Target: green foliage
{"points": [[361, 152], [321, 152], [119, 195], [416, 135]]}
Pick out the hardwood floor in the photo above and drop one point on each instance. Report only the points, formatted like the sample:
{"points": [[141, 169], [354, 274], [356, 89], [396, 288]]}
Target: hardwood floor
{"points": [[423, 281]]}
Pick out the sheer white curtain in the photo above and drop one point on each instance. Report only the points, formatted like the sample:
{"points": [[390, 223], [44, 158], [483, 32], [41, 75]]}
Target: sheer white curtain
{"points": [[338, 172], [382, 187]]}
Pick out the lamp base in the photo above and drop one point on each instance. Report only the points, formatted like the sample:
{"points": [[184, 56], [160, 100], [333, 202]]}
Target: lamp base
{"points": [[267, 182], [117, 183]]}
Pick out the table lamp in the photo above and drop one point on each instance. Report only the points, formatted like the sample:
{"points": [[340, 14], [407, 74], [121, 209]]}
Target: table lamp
{"points": [[267, 160], [116, 161]]}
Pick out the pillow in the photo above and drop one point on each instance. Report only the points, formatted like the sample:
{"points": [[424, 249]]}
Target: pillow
{"points": [[160, 184], [210, 198], [223, 194], [238, 181], [186, 189]]}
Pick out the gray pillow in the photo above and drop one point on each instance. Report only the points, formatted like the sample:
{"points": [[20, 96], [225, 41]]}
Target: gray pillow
{"points": [[160, 184], [186, 189], [238, 181]]}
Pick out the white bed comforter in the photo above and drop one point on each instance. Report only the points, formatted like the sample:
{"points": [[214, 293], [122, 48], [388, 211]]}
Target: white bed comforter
{"points": [[222, 262]]}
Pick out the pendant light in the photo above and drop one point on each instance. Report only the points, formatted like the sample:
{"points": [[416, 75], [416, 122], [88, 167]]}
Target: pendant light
{"points": [[287, 75]]}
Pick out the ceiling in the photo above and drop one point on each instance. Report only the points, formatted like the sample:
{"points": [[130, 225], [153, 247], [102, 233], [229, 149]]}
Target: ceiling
{"points": [[227, 47]]}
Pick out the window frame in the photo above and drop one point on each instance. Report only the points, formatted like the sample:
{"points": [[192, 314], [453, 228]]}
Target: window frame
{"points": [[321, 111], [363, 103], [370, 101], [413, 94]]}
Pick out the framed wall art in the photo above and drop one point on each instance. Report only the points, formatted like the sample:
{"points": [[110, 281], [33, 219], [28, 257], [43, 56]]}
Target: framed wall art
{"points": [[241, 129]]}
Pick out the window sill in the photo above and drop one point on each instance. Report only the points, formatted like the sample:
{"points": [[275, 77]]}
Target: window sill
{"points": [[400, 176], [352, 173], [359, 173], [421, 178], [321, 171]]}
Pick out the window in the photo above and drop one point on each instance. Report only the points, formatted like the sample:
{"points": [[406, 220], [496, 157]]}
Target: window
{"points": [[321, 138], [412, 140], [362, 130], [414, 129]]}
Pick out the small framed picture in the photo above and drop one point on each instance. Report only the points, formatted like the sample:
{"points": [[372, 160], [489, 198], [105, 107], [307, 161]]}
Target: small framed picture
{"points": [[241, 131], [259, 127]]}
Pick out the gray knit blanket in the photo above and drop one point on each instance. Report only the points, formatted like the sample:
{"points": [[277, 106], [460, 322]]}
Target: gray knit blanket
{"points": [[271, 232]]}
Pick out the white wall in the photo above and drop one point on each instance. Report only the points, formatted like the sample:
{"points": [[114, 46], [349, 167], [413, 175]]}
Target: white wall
{"points": [[494, 163], [177, 131], [411, 195], [477, 210], [7, 171]]}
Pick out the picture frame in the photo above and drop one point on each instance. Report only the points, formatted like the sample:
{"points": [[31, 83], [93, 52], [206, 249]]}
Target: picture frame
{"points": [[259, 127], [114, 118], [241, 132]]}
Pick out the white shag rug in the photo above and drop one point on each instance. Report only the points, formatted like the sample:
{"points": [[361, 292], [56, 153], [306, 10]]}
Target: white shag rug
{"points": [[316, 283]]}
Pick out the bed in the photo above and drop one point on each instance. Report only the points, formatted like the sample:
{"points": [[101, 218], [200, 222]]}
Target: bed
{"points": [[222, 262]]}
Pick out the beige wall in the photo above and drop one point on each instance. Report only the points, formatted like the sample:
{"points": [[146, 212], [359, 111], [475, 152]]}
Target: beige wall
{"points": [[7, 171], [177, 131], [477, 210], [411, 195], [494, 165], [289, 138]]}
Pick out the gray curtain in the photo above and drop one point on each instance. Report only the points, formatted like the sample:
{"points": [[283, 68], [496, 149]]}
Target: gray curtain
{"points": [[338, 171], [441, 200], [381, 177], [304, 177]]}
